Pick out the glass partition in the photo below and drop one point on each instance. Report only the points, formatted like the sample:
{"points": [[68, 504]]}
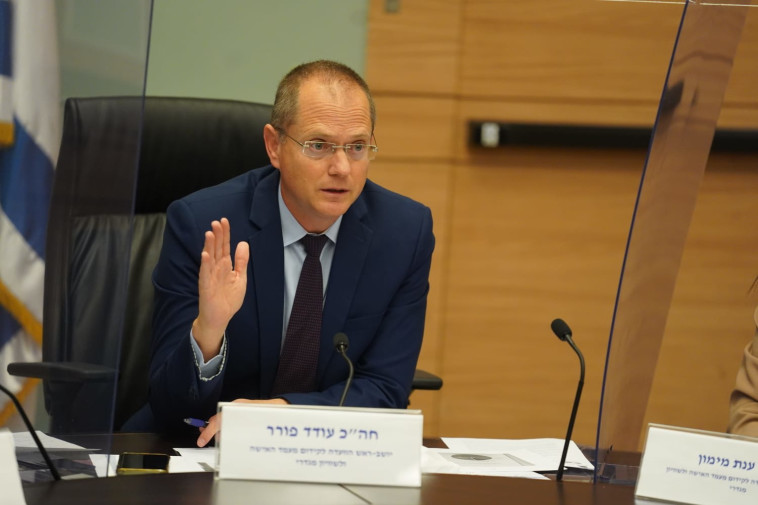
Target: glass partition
{"points": [[102, 52], [102, 207], [688, 112]]}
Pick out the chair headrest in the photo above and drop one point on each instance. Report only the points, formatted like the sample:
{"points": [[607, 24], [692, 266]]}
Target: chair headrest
{"points": [[189, 144], [186, 144]]}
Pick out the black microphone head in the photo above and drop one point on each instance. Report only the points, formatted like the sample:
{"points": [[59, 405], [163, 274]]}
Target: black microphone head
{"points": [[340, 341], [560, 328]]}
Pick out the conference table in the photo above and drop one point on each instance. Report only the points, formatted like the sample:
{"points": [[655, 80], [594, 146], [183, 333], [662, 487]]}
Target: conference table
{"points": [[202, 488]]}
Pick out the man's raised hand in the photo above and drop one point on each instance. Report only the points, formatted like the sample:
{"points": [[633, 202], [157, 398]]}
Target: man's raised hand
{"points": [[221, 286]]}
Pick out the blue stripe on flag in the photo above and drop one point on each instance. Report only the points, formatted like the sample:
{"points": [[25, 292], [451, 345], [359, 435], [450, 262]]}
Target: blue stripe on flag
{"points": [[6, 36], [8, 326], [26, 178]]}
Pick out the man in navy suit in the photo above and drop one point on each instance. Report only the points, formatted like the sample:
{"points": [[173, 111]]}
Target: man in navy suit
{"points": [[221, 312]]}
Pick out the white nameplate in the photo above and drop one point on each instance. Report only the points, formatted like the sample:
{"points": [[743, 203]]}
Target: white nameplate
{"points": [[698, 467], [10, 481], [339, 445]]}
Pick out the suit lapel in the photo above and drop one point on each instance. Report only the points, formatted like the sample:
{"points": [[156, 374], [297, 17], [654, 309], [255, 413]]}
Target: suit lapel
{"points": [[267, 263], [350, 253]]}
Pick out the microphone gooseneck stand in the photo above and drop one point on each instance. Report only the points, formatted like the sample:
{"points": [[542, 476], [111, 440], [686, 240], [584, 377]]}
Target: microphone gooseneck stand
{"points": [[563, 332]]}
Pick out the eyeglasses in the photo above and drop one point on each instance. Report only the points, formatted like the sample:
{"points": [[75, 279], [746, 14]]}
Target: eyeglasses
{"points": [[319, 150]]}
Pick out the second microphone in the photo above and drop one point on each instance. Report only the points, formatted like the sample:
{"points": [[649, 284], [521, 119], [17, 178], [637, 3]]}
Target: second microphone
{"points": [[341, 343]]}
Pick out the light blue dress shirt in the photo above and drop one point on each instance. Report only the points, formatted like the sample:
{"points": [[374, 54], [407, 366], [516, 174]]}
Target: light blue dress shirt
{"points": [[294, 255]]}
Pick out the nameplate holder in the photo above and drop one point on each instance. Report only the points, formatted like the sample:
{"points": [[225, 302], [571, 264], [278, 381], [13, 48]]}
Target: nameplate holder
{"points": [[698, 467], [338, 445]]}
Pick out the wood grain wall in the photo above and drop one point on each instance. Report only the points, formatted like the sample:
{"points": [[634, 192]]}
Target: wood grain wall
{"points": [[525, 235]]}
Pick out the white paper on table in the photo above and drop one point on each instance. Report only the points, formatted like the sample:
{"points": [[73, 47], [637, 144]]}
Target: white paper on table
{"points": [[444, 461], [24, 440], [205, 457], [550, 449], [102, 461], [10, 481], [520, 460], [181, 464]]}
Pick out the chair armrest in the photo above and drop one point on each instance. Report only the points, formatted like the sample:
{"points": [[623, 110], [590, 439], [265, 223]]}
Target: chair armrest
{"points": [[426, 380], [66, 372]]}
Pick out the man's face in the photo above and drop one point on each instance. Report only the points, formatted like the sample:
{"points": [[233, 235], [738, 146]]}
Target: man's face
{"points": [[318, 191]]}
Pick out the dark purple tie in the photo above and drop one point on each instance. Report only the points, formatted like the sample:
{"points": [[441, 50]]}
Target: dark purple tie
{"points": [[297, 363]]}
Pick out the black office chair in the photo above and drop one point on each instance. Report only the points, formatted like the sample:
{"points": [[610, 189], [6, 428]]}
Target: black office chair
{"points": [[99, 260], [187, 144]]}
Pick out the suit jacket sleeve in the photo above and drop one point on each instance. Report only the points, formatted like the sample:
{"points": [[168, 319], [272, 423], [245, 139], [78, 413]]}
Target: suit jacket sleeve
{"points": [[176, 391], [743, 407]]}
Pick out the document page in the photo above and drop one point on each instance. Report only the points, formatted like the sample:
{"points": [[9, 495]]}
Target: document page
{"points": [[544, 453], [24, 440], [465, 463]]}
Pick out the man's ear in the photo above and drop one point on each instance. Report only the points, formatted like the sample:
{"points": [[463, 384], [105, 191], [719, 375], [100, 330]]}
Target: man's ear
{"points": [[273, 144]]}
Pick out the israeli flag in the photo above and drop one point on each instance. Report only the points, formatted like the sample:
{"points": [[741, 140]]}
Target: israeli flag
{"points": [[30, 130]]}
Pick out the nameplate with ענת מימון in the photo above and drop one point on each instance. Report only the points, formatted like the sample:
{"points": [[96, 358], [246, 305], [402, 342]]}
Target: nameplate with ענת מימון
{"points": [[698, 467], [338, 445]]}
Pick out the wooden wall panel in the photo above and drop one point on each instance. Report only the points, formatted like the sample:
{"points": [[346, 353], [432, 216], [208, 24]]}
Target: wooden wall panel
{"points": [[595, 56], [744, 77], [535, 236], [738, 116], [419, 128], [414, 50], [740, 108], [580, 50]]}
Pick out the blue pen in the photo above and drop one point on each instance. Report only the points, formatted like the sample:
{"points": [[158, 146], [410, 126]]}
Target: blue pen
{"points": [[197, 423]]}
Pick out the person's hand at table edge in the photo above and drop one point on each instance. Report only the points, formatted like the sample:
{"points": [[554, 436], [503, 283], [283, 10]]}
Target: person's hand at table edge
{"points": [[214, 423]]}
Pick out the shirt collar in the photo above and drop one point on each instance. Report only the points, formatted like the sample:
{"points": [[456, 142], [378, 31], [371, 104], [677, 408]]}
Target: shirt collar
{"points": [[291, 229]]}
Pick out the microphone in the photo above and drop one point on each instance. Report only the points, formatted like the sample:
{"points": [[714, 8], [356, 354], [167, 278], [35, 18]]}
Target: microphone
{"points": [[29, 427], [341, 343], [563, 332]]}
